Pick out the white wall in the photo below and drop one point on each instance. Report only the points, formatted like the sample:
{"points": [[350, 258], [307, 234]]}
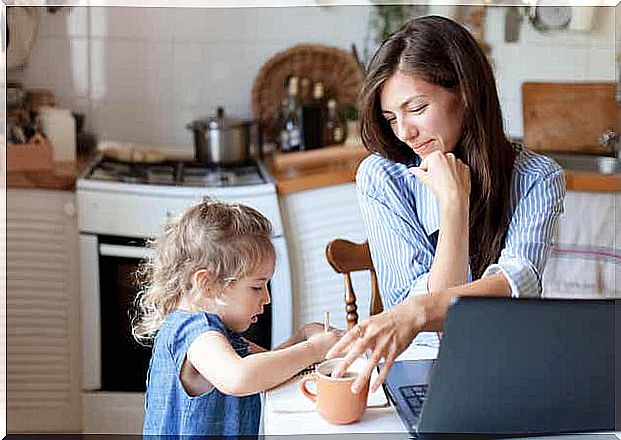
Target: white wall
{"points": [[140, 74], [554, 56]]}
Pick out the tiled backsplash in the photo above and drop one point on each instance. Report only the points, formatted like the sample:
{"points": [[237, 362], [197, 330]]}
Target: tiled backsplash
{"points": [[140, 74]]}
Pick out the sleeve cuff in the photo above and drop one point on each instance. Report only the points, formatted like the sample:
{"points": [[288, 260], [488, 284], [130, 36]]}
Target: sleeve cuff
{"points": [[521, 276], [420, 286]]}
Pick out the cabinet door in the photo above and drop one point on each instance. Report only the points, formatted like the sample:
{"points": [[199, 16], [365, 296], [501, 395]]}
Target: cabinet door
{"points": [[312, 219], [42, 303]]}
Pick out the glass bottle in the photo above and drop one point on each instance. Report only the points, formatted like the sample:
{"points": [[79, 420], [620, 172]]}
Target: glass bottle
{"points": [[305, 91], [313, 119], [291, 128], [334, 131]]}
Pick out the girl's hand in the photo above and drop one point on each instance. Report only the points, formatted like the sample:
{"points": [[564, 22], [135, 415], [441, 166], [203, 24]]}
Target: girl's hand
{"points": [[385, 335], [310, 329], [446, 176], [322, 341]]}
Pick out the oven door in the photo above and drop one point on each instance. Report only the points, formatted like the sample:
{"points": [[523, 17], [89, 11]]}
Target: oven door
{"points": [[113, 360]]}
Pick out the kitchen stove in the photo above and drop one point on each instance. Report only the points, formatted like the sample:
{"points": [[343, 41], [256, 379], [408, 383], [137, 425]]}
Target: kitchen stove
{"points": [[178, 173], [120, 207]]}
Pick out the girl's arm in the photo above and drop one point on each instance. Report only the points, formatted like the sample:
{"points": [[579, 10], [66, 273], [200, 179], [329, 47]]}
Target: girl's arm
{"points": [[255, 348], [301, 335], [215, 359]]}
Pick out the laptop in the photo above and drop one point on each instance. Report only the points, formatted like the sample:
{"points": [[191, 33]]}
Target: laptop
{"points": [[513, 366]]}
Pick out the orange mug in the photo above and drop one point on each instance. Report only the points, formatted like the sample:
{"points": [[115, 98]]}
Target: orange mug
{"points": [[335, 401]]}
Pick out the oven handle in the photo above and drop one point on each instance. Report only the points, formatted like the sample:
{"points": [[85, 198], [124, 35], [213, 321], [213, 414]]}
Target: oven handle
{"points": [[117, 250]]}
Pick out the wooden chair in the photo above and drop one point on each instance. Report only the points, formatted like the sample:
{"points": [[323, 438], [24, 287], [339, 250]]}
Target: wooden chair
{"points": [[345, 257]]}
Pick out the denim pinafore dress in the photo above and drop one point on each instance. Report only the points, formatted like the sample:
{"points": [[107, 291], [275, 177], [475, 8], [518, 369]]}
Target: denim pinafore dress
{"points": [[169, 410]]}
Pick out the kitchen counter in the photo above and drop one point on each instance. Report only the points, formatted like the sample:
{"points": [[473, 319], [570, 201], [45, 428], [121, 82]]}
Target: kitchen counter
{"points": [[62, 176], [295, 172], [292, 172], [332, 165], [581, 181]]}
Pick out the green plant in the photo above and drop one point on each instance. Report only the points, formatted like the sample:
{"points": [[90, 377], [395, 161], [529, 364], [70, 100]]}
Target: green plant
{"points": [[350, 112], [386, 19]]}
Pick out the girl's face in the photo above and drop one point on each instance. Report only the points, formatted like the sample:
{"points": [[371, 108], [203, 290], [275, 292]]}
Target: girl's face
{"points": [[243, 300], [424, 116]]}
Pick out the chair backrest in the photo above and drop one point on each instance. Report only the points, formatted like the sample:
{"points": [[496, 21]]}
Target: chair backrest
{"points": [[345, 257]]}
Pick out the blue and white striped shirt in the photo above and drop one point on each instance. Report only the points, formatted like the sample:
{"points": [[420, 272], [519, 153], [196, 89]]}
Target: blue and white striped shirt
{"points": [[402, 220]]}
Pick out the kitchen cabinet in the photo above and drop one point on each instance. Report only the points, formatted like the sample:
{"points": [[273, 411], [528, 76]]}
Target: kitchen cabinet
{"points": [[42, 312], [312, 218]]}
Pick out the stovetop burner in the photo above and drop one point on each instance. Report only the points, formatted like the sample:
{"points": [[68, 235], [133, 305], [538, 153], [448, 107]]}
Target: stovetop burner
{"points": [[178, 173]]}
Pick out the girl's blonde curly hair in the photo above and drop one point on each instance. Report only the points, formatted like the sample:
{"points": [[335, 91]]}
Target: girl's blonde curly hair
{"points": [[229, 240]]}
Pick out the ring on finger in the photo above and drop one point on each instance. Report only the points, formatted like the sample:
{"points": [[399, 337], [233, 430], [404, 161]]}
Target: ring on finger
{"points": [[359, 331]]}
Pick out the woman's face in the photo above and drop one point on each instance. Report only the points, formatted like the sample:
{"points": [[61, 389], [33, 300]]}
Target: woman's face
{"points": [[424, 116]]}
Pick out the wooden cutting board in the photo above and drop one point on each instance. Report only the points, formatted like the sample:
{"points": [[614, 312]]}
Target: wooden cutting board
{"points": [[568, 117]]}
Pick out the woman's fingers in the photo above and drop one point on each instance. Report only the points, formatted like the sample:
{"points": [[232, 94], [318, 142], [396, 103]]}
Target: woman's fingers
{"points": [[389, 359], [357, 350], [420, 173], [343, 345], [364, 376], [378, 354]]}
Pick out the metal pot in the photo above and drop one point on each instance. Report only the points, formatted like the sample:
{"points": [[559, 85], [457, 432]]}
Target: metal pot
{"points": [[222, 140]]}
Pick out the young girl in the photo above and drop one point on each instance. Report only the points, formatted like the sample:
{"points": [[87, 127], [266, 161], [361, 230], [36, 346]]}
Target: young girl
{"points": [[205, 285]]}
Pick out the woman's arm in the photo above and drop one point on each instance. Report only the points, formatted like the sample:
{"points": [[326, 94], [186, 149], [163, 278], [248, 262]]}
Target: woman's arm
{"points": [[215, 359], [532, 230], [449, 180]]}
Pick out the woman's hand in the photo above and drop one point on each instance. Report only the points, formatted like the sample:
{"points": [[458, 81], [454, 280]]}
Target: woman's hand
{"points": [[385, 335], [446, 176]]}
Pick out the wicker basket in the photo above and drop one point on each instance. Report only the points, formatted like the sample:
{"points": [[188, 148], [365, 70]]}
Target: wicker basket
{"points": [[336, 68]]}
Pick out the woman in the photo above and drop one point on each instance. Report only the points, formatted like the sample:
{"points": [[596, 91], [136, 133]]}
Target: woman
{"points": [[451, 207]]}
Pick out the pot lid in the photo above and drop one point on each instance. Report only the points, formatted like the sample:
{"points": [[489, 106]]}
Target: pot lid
{"points": [[219, 121]]}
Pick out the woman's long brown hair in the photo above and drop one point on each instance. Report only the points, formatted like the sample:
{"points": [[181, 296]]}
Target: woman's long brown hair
{"points": [[441, 52]]}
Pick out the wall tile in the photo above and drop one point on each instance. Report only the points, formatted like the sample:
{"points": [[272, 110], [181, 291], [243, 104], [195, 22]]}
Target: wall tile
{"points": [[146, 23], [65, 22], [49, 57], [99, 19], [146, 72], [512, 115], [216, 24]]}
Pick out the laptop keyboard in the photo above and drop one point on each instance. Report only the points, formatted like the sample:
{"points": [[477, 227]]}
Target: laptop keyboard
{"points": [[414, 395]]}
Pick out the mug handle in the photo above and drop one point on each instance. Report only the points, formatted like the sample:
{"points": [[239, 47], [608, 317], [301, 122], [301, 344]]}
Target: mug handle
{"points": [[308, 394]]}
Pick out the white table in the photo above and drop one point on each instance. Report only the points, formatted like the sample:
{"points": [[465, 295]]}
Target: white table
{"points": [[280, 416], [288, 412]]}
